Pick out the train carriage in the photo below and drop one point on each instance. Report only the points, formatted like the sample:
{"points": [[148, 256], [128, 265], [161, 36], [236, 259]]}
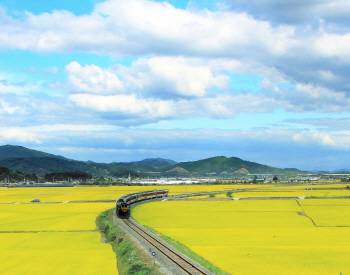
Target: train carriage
{"points": [[123, 204]]}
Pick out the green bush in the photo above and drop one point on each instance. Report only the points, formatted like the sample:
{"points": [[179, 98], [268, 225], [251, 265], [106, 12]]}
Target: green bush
{"points": [[105, 225], [111, 234], [124, 248], [229, 194], [212, 195], [138, 269]]}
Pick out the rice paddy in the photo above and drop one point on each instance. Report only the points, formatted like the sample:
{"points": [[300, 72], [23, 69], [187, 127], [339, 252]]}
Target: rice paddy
{"points": [[51, 238], [258, 236], [308, 236], [59, 194]]}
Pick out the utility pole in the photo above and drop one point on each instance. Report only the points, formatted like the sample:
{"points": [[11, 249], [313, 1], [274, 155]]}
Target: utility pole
{"points": [[311, 189]]}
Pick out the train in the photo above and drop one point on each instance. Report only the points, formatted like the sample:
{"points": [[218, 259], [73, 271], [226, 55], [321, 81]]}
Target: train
{"points": [[122, 206]]}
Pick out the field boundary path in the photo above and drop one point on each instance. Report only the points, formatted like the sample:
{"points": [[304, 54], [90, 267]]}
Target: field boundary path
{"points": [[172, 261]]}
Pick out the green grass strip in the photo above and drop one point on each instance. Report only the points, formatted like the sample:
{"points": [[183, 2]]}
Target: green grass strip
{"points": [[131, 258]]}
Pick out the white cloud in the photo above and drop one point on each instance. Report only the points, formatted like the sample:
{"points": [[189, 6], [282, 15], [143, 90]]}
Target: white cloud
{"points": [[92, 79], [162, 77], [172, 76], [324, 139], [310, 98], [144, 111], [296, 12], [140, 26], [126, 105], [11, 135], [7, 108]]}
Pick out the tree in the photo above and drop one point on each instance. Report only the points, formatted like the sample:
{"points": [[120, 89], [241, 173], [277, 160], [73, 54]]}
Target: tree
{"points": [[275, 179]]}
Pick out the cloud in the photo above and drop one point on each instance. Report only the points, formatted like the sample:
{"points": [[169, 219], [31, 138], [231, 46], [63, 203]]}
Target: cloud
{"points": [[130, 110], [324, 139], [338, 125], [144, 27], [7, 108], [307, 98], [92, 79], [125, 107], [304, 54], [167, 77], [11, 135], [294, 12]]}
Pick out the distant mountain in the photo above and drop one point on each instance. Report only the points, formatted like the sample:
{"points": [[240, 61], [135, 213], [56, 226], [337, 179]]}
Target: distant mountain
{"points": [[13, 151], [19, 158], [157, 162], [222, 165], [341, 171], [292, 169], [44, 165]]}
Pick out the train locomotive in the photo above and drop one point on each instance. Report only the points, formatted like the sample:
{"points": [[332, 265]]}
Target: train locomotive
{"points": [[122, 206]]}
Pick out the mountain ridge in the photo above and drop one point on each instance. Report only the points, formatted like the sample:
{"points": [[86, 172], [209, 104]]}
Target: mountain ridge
{"points": [[16, 151], [42, 163]]}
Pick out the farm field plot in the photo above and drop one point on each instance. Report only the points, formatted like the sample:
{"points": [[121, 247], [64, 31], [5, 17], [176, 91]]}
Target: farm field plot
{"points": [[50, 217], [55, 253], [284, 191], [331, 212], [254, 237], [53, 238], [58, 194], [290, 191]]}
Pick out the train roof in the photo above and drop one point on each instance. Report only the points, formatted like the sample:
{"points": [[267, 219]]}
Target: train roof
{"points": [[137, 193]]}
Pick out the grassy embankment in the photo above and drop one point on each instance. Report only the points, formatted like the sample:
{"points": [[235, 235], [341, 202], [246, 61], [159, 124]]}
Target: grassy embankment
{"points": [[131, 258]]}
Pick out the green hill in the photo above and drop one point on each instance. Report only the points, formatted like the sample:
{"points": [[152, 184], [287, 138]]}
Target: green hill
{"points": [[222, 165], [46, 165], [157, 162], [19, 158], [13, 151]]}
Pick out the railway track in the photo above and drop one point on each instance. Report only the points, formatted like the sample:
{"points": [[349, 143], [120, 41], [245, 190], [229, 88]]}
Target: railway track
{"points": [[167, 251]]}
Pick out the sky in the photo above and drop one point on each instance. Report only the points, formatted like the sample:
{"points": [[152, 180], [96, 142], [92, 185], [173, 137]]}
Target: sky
{"points": [[123, 80]]}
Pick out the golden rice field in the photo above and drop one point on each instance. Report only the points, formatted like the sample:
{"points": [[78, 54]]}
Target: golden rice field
{"points": [[55, 253], [288, 191], [59, 194], [259, 236], [60, 238], [54, 238]]}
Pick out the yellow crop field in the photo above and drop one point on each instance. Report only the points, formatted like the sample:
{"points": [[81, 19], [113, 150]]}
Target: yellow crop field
{"points": [[289, 191], [53, 216], [329, 202], [55, 253], [52, 238], [256, 237], [59, 194]]}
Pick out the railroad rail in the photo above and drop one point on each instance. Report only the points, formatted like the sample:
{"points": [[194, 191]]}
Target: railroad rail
{"points": [[167, 251]]}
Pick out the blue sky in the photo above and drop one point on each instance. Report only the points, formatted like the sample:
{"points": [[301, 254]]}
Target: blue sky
{"points": [[123, 80]]}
